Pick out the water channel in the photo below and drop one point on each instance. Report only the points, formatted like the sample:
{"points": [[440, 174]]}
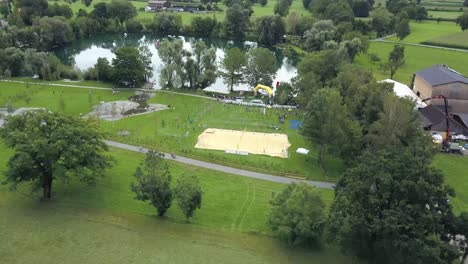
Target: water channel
{"points": [[84, 53]]}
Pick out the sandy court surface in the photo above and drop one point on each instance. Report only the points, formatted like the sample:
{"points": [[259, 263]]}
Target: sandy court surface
{"points": [[271, 144]]}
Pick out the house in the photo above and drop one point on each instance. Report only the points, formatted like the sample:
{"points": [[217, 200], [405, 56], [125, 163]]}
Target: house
{"points": [[402, 90], [433, 119], [442, 80], [157, 5]]}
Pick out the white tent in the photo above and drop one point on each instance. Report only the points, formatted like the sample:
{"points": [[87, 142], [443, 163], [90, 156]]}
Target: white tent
{"points": [[302, 151], [403, 90]]}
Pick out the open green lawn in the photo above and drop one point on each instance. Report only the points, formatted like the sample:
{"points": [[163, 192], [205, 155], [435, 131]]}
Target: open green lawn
{"points": [[425, 30], [104, 224], [177, 130], [444, 14], [259, 11], [456, 40], [417, 58], [455, 169]]}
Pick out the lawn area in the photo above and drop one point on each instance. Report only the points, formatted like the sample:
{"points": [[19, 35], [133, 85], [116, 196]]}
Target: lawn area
{"points": [[457, 40], [104, 224], [444, 14], [455, 169], [425, 30], [178, 130], [416, 58], [259, 11]]}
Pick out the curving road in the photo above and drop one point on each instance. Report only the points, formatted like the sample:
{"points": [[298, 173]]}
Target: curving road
{"points": [[231, 170]]}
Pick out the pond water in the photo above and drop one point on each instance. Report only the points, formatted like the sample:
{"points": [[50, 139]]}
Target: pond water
{"points": [[84, 53]]}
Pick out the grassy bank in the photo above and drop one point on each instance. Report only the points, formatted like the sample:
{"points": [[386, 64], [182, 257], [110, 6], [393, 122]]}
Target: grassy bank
{"points": [[456, 40], [425, 30]]}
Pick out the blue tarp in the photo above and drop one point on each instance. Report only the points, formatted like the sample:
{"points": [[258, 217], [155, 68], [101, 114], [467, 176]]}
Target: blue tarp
{"points": [[295, 124]]}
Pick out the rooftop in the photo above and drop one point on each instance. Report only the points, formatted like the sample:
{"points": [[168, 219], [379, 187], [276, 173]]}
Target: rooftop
{"points": [[441, 74]]}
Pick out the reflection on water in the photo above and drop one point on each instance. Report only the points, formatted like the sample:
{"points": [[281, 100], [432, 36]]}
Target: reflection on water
{"points": [[85, 52]]}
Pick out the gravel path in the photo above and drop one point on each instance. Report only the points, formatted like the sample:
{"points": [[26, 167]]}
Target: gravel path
{"points": [[231, 170]]}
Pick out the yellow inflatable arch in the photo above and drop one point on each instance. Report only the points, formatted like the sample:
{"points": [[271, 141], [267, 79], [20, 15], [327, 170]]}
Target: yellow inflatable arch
{"points": [[263, 87]]}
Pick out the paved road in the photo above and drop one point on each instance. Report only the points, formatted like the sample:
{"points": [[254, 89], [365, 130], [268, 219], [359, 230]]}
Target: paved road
{"points": [[231, 170]]}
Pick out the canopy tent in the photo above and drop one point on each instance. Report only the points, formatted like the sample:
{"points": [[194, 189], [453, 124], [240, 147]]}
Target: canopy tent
{"points": [[403, 90]]}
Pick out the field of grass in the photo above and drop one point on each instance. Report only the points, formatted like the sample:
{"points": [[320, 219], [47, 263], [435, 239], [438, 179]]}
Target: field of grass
{"points": [[416, 58], [457, 40], [177, 130], [104, 224], [455, 169], [444, 14], [425, 30], [259, 11]]}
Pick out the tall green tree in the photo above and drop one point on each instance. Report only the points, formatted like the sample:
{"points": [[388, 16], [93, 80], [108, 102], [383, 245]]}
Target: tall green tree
{"points": [[153, 182], [382, 21], [170, 53], [188, 194], [298, 215], [339, 11], [327, 125], [270, 30], [402, 28], [261, 66], [130, 67], [122, 10], [236, 22], [396, 59], [166, 24], [282, 7], [49, 147], [28, 9], [205, 64], [234, 64], [87, 2], [53, 32], [462, 21], [392, 207], [321, 32]]}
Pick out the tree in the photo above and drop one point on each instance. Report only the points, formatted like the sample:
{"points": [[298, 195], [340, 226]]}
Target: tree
{"points": [[166, 24], [170, 53], [306, 3], [129, 67], [53, 32], [154, 182], [121, 10], [270, 30], [234, 63], [297, 215], [328, 126], [48, 146], [236, 22], [339, 11], [402, 28], [392, 207], [205, 64], [100, 11], [282, 7], [462, 21], [325, 65], [263, 2], [398, 124], [396, 59], [460, 227], [204, 26], [382, 21], [59, 10], [28, 9], [420, 13], [188, 194], [261, 66], [87, 2], [361, 8], [103, 70], [321, 32]]}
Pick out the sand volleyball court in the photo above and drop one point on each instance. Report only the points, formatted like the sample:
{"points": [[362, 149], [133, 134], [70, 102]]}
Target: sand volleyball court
{"points": [[235, 141]]}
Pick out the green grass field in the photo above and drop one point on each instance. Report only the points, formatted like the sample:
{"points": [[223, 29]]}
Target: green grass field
{"points": [[416, 58], [444, 14], [177, 130], [104, 224], [259, 11], [455, 169], [425, 30], [456, 40]]}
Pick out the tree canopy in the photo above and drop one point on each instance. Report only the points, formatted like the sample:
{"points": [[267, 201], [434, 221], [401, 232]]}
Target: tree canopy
{"points": [[188, 194], [234, 63], [48, 146]]}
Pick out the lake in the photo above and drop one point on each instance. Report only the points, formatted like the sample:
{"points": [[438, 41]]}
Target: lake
{"points": [[84, 53]]}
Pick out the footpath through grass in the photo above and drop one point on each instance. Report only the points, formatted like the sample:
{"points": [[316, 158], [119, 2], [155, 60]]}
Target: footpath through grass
{"points": [[104, 224]]}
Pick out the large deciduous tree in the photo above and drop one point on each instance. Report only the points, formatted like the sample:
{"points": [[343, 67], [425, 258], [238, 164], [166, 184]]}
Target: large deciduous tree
{"points": [[270, 30], [236, 22], [166, 24], [131, 66], [188, 194], [393, 207], [53, 32], [121, 10], [396, 59], [402, 28], [49, 147], [297, 215], [28, 9], [154, 183], [234, 63], [321, 32], [261, 66], [170, 53], [462, 21], [327, 124]]}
